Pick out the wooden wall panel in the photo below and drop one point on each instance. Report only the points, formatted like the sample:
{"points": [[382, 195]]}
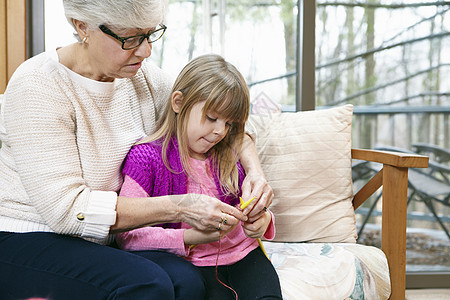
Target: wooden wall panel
{"points": [[12, 38]]}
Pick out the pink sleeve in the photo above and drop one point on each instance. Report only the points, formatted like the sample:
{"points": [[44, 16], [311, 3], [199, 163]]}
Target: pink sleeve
{"points": [[130, 188], [149, 238], [270, 232]]}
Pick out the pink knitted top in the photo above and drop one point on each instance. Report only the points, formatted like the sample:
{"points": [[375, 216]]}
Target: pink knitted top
{"points": [[234, 246]]}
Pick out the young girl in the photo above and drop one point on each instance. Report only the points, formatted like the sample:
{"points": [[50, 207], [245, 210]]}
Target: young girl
{"points": [[195, 151]]}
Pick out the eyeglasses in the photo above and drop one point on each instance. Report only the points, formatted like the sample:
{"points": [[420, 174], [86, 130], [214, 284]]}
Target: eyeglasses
{"points": [[135, 41]]}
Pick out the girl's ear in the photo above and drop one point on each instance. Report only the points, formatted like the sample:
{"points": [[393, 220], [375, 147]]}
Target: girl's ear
{"points": [[177, 101]]}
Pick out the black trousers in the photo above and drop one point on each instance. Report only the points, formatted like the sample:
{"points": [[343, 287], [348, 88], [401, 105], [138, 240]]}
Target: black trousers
{"points": [[253, 277], [58, 267]]}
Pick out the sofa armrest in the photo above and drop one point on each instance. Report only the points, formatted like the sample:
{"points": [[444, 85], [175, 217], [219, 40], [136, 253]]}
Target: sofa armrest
{"points": [[394, 179], [396, 159]]}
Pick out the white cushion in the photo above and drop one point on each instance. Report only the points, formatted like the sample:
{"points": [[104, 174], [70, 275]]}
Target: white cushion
{"points": [[306, 157], [330, 271]]}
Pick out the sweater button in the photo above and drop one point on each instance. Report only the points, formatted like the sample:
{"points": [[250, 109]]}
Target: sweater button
{"points": [[80, 217]]}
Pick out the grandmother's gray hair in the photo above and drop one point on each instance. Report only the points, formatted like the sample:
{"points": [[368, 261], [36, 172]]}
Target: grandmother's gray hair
{"points": [[124, 14]]}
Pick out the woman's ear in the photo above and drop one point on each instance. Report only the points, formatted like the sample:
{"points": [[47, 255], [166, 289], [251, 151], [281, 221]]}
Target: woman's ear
{"points": [[177, 101], [82, 28]]}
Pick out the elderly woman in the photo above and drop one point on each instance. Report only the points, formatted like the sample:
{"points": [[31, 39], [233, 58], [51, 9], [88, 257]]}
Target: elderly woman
{"points": [[69, 117]]}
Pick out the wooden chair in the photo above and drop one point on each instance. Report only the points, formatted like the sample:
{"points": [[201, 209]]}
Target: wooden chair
{"points": [[393, 177]]}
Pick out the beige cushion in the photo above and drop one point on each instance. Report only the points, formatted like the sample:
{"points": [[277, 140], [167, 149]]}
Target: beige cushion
{"points": [[306, 157]]}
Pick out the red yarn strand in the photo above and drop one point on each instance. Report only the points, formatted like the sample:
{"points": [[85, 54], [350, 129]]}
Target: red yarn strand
{"points": [[217, 264]]}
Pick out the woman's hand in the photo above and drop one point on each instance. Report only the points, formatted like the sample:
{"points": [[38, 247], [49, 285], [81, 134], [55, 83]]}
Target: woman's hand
{"points": [[202, 212], [257, 228], [207, 213], [255, 183]]}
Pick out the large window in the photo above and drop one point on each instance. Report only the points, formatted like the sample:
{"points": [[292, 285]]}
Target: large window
{"points": [[249, 35], [390, 59]]}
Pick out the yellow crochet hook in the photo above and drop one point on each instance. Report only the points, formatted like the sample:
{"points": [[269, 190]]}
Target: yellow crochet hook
{"points": [[244, 204]]}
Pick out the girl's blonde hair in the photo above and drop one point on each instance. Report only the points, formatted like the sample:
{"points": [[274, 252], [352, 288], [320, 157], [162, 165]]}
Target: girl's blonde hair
{"points": [[211, 79]]}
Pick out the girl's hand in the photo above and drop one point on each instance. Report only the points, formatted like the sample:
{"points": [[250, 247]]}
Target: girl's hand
{"points": [[257, 228], [194, 236], [207, 213], [256, 185]]}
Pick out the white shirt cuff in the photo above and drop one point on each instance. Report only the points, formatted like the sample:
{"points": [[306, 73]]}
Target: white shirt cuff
{"points": [[100, 214]]}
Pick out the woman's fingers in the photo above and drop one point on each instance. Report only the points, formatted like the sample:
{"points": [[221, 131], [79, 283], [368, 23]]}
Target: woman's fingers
{"points": [[263, 203], [208, 213], [256, 186]]}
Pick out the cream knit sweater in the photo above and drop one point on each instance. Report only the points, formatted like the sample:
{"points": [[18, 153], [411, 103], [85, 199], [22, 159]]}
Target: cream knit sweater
{"points": [[64, 137]]}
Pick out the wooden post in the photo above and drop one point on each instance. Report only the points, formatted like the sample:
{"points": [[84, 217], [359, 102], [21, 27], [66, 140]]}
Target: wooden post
{"points": [[393, 235], [12, 38], [305, 70]]}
